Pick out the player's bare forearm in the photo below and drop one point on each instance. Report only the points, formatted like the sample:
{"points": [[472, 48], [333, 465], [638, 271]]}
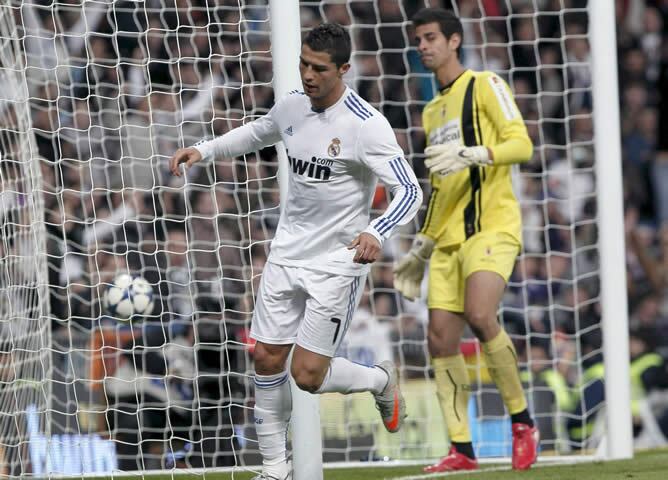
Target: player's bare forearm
{"points": [[367, 248]]}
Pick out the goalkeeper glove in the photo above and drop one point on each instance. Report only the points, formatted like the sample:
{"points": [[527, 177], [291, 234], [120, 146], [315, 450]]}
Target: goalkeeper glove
{"points": [[409, 271], [448, 158]]}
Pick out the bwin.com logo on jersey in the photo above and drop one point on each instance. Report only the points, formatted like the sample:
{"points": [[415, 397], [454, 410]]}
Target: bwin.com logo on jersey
{"points": [[317, 168]]}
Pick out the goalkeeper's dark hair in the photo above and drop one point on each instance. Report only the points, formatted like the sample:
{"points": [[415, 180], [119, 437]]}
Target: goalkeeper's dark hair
{"points": [[331, 38], [447, 21]]}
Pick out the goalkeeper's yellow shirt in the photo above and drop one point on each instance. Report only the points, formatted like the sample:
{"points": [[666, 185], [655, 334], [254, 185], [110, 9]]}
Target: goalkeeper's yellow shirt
{"points": [[477, 108]]}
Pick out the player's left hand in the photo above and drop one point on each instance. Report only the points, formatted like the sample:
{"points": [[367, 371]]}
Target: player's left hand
{"points": [[448, 158], [368, 248]]}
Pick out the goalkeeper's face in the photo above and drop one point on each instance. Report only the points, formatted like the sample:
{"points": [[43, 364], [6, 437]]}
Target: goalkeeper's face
{"points": [[435, 49], [321, 78]]}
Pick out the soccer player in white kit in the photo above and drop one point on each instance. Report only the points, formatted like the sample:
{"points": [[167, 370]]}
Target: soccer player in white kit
{"points": [[338, 146]]}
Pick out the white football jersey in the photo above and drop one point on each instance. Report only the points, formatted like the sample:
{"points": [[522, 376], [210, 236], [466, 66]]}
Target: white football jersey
{"points": [[335, 158]]}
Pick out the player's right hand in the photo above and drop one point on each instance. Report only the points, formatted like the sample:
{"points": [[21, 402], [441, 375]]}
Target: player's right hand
{"points": [[409, 271], [189, 156]]}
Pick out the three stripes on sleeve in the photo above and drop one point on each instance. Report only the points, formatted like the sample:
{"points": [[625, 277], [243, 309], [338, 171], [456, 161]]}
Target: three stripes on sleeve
{"points": [[402, 208]]}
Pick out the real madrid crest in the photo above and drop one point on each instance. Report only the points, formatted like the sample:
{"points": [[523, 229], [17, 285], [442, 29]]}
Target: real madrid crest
{"points": [[334, 148]]}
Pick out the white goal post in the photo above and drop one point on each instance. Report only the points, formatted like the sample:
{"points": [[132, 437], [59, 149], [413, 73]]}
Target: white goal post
{"points": [[611, 232], [96, 96], [285, 48]]}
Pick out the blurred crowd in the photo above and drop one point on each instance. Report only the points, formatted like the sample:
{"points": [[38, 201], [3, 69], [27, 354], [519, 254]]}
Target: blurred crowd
{"points": [[114, 92], [642, 50]]}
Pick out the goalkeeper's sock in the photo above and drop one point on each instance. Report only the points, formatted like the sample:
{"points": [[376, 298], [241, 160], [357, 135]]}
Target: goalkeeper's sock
{"points": [[273, 405], [453, 388], [522, 417], [345, 376], [501, 362], [465, 448]]}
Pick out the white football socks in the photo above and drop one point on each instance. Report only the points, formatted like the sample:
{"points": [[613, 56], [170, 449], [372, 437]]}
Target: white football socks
{"points": [[345, 377], [273, 405]]}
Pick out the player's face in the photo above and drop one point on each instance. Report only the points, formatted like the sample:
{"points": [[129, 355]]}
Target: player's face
{"points": [[320, 75], [434, 48]]}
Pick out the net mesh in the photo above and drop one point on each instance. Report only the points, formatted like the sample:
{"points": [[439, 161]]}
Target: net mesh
{"points": [[114, 87]]}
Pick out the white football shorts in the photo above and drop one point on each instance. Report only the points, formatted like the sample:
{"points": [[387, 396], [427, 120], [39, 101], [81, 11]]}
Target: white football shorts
{"points": [[297, 305]]}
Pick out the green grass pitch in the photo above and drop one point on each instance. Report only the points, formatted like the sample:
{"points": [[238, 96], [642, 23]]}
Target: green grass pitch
{"points": [[648, 465]]}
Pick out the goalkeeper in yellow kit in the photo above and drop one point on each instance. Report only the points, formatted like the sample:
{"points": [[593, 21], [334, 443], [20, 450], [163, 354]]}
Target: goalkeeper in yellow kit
{"points": [[471, 233]]}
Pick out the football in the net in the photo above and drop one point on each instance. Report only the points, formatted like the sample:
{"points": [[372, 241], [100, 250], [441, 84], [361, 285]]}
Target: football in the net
{"points": [[128, 296]]}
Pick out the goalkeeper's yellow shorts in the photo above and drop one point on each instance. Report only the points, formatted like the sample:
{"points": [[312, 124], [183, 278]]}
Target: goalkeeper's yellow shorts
{"points": [[450, 267]]}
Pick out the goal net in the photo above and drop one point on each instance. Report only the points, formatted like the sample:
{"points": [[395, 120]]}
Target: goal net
{"points": [[112, 89], [24, 326]]}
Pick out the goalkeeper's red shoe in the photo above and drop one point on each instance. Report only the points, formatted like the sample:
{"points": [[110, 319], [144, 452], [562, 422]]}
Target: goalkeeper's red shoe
{"points": [[525, 446], [454, 461]]}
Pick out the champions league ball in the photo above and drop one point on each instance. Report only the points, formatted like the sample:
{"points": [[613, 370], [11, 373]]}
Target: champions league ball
{"points": [[128, 296]]}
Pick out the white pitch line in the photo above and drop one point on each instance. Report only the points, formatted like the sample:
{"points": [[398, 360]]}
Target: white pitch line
{"points": [[426, 476]]}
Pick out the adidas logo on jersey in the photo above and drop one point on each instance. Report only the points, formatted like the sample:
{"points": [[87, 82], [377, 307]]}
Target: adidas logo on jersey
{"points": [[288, 131], [318, 168]]}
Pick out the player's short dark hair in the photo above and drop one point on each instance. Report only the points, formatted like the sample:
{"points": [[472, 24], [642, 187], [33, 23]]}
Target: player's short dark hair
{"points": [[447, 21], [331, 38]]}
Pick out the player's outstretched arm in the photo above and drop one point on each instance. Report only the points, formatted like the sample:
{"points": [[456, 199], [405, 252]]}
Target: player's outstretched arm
{"points": [[188, 156], [247, 138]]}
